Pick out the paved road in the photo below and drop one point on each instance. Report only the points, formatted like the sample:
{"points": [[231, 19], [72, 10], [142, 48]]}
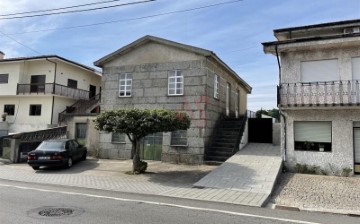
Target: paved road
{"points": [[22, 202]]}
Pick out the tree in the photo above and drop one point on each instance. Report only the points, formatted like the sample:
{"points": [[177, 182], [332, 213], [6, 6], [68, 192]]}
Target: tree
{"points": [[137, 123]]}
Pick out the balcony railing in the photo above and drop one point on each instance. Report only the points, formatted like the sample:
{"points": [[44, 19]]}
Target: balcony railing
{"points": [[51, 88], [330, 93]]}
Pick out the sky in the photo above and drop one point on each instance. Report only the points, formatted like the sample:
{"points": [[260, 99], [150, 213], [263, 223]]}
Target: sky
{"points": [[233, 29]]}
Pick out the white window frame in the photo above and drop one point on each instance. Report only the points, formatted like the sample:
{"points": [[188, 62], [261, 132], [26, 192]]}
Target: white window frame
{"points": [[175, 78], [125, 80], [216, 86]]}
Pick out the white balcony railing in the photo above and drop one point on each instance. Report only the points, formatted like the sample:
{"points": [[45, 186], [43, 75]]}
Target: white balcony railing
{"points": [[330, 93]]}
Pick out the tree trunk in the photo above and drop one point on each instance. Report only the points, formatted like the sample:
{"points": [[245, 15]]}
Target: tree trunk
{"points": [[138, 165]]}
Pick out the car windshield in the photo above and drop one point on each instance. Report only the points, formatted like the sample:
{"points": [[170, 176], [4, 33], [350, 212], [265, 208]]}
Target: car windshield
{"points": [[51, 146]]}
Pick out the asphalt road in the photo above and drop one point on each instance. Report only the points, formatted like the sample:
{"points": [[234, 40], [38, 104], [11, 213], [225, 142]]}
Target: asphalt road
{"points": [[24, 202]]}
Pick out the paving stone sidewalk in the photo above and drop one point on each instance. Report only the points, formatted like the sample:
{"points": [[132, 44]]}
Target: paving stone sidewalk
{"points": [[319, 193]]}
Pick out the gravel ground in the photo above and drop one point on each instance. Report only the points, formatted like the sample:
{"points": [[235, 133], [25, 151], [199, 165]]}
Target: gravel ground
{"points": [[318, 193]]}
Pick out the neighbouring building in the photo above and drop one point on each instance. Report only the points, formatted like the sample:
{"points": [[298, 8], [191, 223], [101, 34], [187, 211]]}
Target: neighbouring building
{"points": [[37, 93], [319, 95], [154, 73]]}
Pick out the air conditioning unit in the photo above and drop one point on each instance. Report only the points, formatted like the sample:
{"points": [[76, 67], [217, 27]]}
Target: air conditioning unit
{"points": [[352, 30]]}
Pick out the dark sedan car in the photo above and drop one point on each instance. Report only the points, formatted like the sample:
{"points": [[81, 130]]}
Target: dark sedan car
{"points": [[57, 152]]}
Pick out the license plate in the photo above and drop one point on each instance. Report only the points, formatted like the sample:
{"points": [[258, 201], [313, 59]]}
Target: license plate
{"points": [[44, 157]]}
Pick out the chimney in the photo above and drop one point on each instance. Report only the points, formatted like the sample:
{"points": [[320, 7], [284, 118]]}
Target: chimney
{"points": [[2, 55]]}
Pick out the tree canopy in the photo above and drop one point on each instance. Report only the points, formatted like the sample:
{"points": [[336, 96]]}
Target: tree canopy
{"points": [[140, 123], [137, 123]]}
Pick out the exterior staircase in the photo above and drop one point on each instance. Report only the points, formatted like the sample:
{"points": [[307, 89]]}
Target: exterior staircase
{"points": [[80, 107], [225, 140]]}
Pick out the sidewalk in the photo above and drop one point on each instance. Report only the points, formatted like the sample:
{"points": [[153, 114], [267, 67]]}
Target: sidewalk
{"points": [[243, 179]]}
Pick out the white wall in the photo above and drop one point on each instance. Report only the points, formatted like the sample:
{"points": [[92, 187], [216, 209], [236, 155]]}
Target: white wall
{"points": [[13, 69], [342, 154]]}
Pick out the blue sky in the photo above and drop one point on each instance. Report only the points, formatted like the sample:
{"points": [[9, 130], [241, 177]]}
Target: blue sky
{"points": [[233, 31]]}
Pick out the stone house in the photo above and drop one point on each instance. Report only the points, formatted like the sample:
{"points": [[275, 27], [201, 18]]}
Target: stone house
{"points": [[154, 73], [318, 94]]}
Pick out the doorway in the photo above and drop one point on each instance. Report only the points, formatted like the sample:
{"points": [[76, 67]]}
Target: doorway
{"points": [[92, 91], [151, 147], [357, 150], [228, 91], [37, 83]]}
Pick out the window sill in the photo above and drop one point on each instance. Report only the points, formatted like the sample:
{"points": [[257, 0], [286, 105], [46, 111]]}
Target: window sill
{"points": [[179, 145], [125, 96], [176, 95], [118, 142]]}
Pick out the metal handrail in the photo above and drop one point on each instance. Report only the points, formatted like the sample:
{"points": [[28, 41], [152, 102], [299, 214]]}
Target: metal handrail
{"points": [[51, 88]]}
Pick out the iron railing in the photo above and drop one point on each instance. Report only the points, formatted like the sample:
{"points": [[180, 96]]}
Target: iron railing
{"points": [[51, 88], [79, 107], [330, 93]]}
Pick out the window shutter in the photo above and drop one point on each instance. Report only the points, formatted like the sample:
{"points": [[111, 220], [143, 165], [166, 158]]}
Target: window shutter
{"points": [[312, 131], [317, 71]]}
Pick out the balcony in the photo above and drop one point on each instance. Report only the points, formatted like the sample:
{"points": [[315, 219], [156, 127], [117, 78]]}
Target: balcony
{"points": [[319, 94], [53, 89]]}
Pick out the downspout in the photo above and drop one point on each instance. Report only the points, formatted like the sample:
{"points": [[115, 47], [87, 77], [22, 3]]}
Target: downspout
{"points": [[53, 92], [281, 113]]}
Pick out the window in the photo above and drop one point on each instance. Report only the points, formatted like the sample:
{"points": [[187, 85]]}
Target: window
{"points": [[355, 63], [179, 137], [35, 110], [324, 70], [216, 86], [4, 78], [9, 109], [37, 83], [176, 83], [312, 135], [125, 84], [118, 137], [80, 132], [72, 83]]}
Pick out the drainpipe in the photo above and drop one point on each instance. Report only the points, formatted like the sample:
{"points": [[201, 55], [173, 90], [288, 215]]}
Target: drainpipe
{"points": [[53, 92], [281, 113]]}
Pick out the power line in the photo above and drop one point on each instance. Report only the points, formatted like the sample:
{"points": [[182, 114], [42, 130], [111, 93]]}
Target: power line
{"points": [[76, 11], [130, 19], [20, 43], [56, 9]]}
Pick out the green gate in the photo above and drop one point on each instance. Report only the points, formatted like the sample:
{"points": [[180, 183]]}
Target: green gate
{"points": [[151, 147]]}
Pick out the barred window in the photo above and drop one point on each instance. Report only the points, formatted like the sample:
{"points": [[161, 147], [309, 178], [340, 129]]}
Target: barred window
{"points": [[176, 83], [118, 137], [125, 85], [216, 86], [179, 137]]}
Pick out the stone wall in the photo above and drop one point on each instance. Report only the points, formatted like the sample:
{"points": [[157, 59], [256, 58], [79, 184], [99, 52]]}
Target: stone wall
{"points": [[149, 91]]}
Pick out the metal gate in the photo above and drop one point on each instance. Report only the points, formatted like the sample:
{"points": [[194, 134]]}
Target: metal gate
{"points": [[151, 147], [260, 130]]}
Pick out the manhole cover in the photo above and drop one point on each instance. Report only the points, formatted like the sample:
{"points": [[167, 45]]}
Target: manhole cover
{"points": [[55, 212]]}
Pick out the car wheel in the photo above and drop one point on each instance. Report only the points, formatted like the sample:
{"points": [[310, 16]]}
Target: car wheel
{"points": [[35, 167], [83, 157], [69, 163]]}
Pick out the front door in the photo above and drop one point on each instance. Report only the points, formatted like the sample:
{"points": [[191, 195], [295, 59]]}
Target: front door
{"points": [[151, 147], [357, 150]]}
